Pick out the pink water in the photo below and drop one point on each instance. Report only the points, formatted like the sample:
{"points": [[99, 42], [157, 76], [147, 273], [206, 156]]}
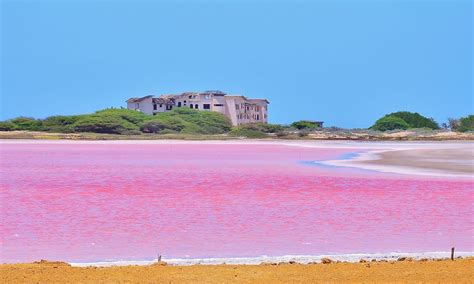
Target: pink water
{"points": [[101, 202]]}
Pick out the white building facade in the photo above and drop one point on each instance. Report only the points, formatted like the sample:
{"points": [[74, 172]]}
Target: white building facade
{"points": [[239, 109]]}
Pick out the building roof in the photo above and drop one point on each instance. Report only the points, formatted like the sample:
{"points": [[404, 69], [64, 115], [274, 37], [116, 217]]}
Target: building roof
{"points": [[258, 99], [170, 98], [136, 100], [214, 92], [165, 99]]}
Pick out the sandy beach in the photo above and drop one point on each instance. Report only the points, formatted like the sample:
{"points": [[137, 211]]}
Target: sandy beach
{"points": [[447, 160], [432, 159], [441, 271]]}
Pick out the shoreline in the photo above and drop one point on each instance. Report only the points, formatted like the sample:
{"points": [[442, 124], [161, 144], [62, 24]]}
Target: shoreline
{"points": [[458, 270], [318, 135], [259, 260]]}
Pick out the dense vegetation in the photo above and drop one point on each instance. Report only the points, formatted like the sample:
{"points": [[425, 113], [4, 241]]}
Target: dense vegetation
{"points": [[189, 121], [404, 120], [123, 121], [466, 123]]}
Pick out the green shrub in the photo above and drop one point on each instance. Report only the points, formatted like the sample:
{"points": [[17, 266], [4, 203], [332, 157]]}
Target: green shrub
{"points": [[104, 124], [6, 126], [263, 127], [390, 123], [466, 123], [305, 124], [27, 123], [60, 123], [246, 132], [152, 127]]}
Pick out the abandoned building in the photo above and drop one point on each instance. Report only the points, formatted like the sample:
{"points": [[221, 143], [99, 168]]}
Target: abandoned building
{"points": [[237, 108]]}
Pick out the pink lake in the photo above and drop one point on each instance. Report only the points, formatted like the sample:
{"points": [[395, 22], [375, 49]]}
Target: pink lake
{"points": [[104, 201]]}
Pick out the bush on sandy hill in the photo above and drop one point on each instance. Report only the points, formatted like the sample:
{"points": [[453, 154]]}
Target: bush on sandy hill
{"points": [[304, 124], [404, 120], [390, 123], [466, 123]]}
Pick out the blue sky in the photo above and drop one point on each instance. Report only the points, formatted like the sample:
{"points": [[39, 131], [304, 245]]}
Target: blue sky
{"points": [[344, 62]]}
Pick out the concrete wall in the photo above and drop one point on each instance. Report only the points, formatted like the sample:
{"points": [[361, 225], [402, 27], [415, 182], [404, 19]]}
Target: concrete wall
{"points": [[145, 106]]}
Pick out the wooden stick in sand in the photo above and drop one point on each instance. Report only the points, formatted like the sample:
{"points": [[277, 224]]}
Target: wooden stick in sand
{"points": [[452, 253]]}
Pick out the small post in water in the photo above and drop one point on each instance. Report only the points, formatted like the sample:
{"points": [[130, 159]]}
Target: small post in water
{"points": [[452, 253]]}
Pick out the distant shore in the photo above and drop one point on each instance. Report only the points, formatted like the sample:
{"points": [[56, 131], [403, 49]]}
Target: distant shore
{"points": [[401, 270], [321, 135]]}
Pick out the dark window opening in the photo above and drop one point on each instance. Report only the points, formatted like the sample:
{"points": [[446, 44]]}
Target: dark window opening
{"points": [[154, 107], [218, 105], [179, 104], [196, 106], [161, 105], [191, 105], [206, 106], [169, 107]]}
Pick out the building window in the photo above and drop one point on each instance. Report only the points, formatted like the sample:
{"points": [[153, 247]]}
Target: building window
{"points": [[169, 107], [154, 106], [179, 104], [218, 105], [236, 106], [206, 97], [161, 105], [196, 106], [258, 117], [191, 105], [206, 106]]}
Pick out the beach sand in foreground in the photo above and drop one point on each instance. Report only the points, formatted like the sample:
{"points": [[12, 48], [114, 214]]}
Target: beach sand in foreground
{"points": [[442, 271]]}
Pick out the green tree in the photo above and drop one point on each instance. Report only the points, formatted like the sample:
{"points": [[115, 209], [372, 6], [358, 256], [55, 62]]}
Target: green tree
{"points": [[27, 123], [6, 126], [466, 123], [415, 120], [390, 123]]}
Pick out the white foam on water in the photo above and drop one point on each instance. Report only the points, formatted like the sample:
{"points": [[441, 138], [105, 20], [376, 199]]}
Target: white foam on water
{"points": [[302, 259]]}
